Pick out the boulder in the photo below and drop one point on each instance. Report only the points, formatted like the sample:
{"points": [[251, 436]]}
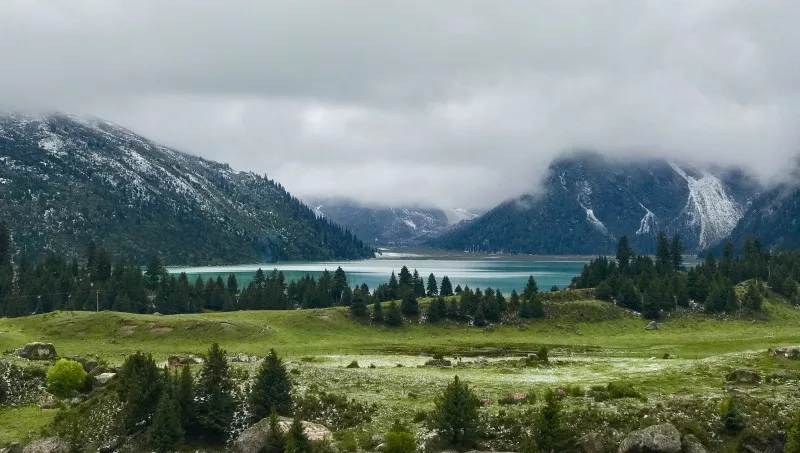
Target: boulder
{"points": [[663, 438], [13, 448], [254, 438], [743, 377], [38, 351], [47, 445], [104, 378], [441, 363], [690, 444], [652, 326], [48, 401], [183, 359], [97, 371], [591, 443], [90, 365], [786, 353]]}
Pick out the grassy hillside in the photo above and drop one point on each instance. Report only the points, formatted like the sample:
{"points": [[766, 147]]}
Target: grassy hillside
{"points": [[573, 325]]}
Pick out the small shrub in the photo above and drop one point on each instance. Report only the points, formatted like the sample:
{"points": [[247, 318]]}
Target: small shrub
{"points": [[614, 390], [542, 355], [413, 395], [332, 410], [420, 416], [575, 391], [372, 365], [65, 377], [438, 356], [353, 364], [732, 417], [400, 440]]}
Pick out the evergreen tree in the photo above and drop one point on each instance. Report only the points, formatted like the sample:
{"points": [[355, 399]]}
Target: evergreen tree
{"points": [[394, 286], [513, 301], [458, 289], [628, 296], [456, 414], [437, 310], [166, 433], [406, 279], [5, 244], [358, 306], [531, 289], [604, 292], [276, 443], [536, 308], [377, 312], [216, 404], [399, 439], [139, 387], [409, 305], [676, 252], [339, 285], [393, 316], [752, 297], [433, 287], [296, 439], [624, 253], [663, 259], [550, 434], [232, 286], [271, 389], [479, 320], [447, 287], [419, 285], [653, 300], [184, 397]]}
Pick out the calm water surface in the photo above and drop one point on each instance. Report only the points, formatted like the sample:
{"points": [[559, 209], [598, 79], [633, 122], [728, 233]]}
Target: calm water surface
{"points": [[505, 275]]}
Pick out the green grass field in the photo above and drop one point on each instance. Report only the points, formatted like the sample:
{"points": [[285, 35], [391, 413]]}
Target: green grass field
{"points": [[591, 342]]}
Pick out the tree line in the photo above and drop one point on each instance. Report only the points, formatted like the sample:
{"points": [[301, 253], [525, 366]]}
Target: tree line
{"points": [[659, 284]]}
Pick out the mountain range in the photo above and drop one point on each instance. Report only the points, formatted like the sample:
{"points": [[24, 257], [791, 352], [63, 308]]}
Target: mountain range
{"points": [[393, 226], [66, 180], [589, 201]]}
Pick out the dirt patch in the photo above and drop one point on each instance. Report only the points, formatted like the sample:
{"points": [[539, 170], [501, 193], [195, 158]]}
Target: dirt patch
{"points": [[127, 330], [161, 329]]}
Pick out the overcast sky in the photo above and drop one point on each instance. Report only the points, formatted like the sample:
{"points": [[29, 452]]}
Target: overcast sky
{"points": [[447, 102]]}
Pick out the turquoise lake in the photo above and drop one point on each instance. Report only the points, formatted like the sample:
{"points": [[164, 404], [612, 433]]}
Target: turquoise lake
{"points": [[497, 273]]}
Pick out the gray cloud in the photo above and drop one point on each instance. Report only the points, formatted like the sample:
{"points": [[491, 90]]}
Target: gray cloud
{"points": [[451, 103]]}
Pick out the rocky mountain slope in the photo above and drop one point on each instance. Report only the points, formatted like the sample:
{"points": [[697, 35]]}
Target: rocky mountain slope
{"points": [[65, 180], [589, 201], [391, 226]]}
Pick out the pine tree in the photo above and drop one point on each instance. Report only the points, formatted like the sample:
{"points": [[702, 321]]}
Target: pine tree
{"points": [[296, 439], [537, 308], [406, 279], [216, 406], [232, 285], [447, 287], [624, 253], [409, 305], [166, 433], [513, 301], [399, 439], [550, 434], [456, 414], [433, 287], [271, 389], [676, 252], [479, 320], [394, 286], [437, 310], [752, 298], [377, 312], [339, 285], [276, 443], [5, 244], [531, 289], [663, 259], [139, 387], [458, 289], [358, 306], [419, 285], [184, 397], [393, 316]]}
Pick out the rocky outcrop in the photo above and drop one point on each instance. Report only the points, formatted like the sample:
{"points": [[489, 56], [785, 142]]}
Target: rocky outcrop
{"points": [[103, 378], [47, 445], [786, 353], [663, 438], [13, 448], [254, 438], [743, 377], [183, 359], [38, 351], [652, 326], [441, 363], [690, 444]]}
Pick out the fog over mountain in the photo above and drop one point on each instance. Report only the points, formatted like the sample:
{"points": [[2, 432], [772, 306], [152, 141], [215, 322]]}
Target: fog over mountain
{"points": [[449, 104]]}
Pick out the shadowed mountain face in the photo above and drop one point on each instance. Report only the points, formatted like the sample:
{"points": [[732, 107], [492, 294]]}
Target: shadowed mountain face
{"points": [[588, 202], [391, 225], [66, 180]]}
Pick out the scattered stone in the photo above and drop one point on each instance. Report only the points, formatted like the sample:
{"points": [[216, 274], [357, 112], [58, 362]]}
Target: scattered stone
{"points": [[381, 447], [783, 376], [254, 438], [38, 351], [90, 365], [47, 445], [183, 359], [690, 444], [786, 353], [441, 363], [48, 401], [652, 326], [97, 371], [663, 438], [243, 358], [112, 446], [104, 378], [13, 448], [591, 443], [743, 377], [77, 400]]}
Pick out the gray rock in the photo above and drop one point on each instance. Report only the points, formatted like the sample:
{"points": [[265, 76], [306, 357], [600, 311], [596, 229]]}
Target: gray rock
{"points": [[112, 446], [104, 378], [380, 447], [38, 351], [690, 444], [97, 371], [183, 359], [591, 443], [47, 445], [786, 353], [441, 363], [653, 439], [48, 401], [652, 326], [377, 439], [254, 438], [743, 377], [13, 448], [90, 365]]}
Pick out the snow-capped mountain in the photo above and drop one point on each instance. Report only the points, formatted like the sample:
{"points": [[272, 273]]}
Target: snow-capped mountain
{"points": [[391, 225], [589, 201], [65, 180]]}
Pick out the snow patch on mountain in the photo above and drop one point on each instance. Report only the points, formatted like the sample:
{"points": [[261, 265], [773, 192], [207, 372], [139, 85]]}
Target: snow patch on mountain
{"points": [[458, 215], [709, 207], [648, 223], [596, 222]]}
